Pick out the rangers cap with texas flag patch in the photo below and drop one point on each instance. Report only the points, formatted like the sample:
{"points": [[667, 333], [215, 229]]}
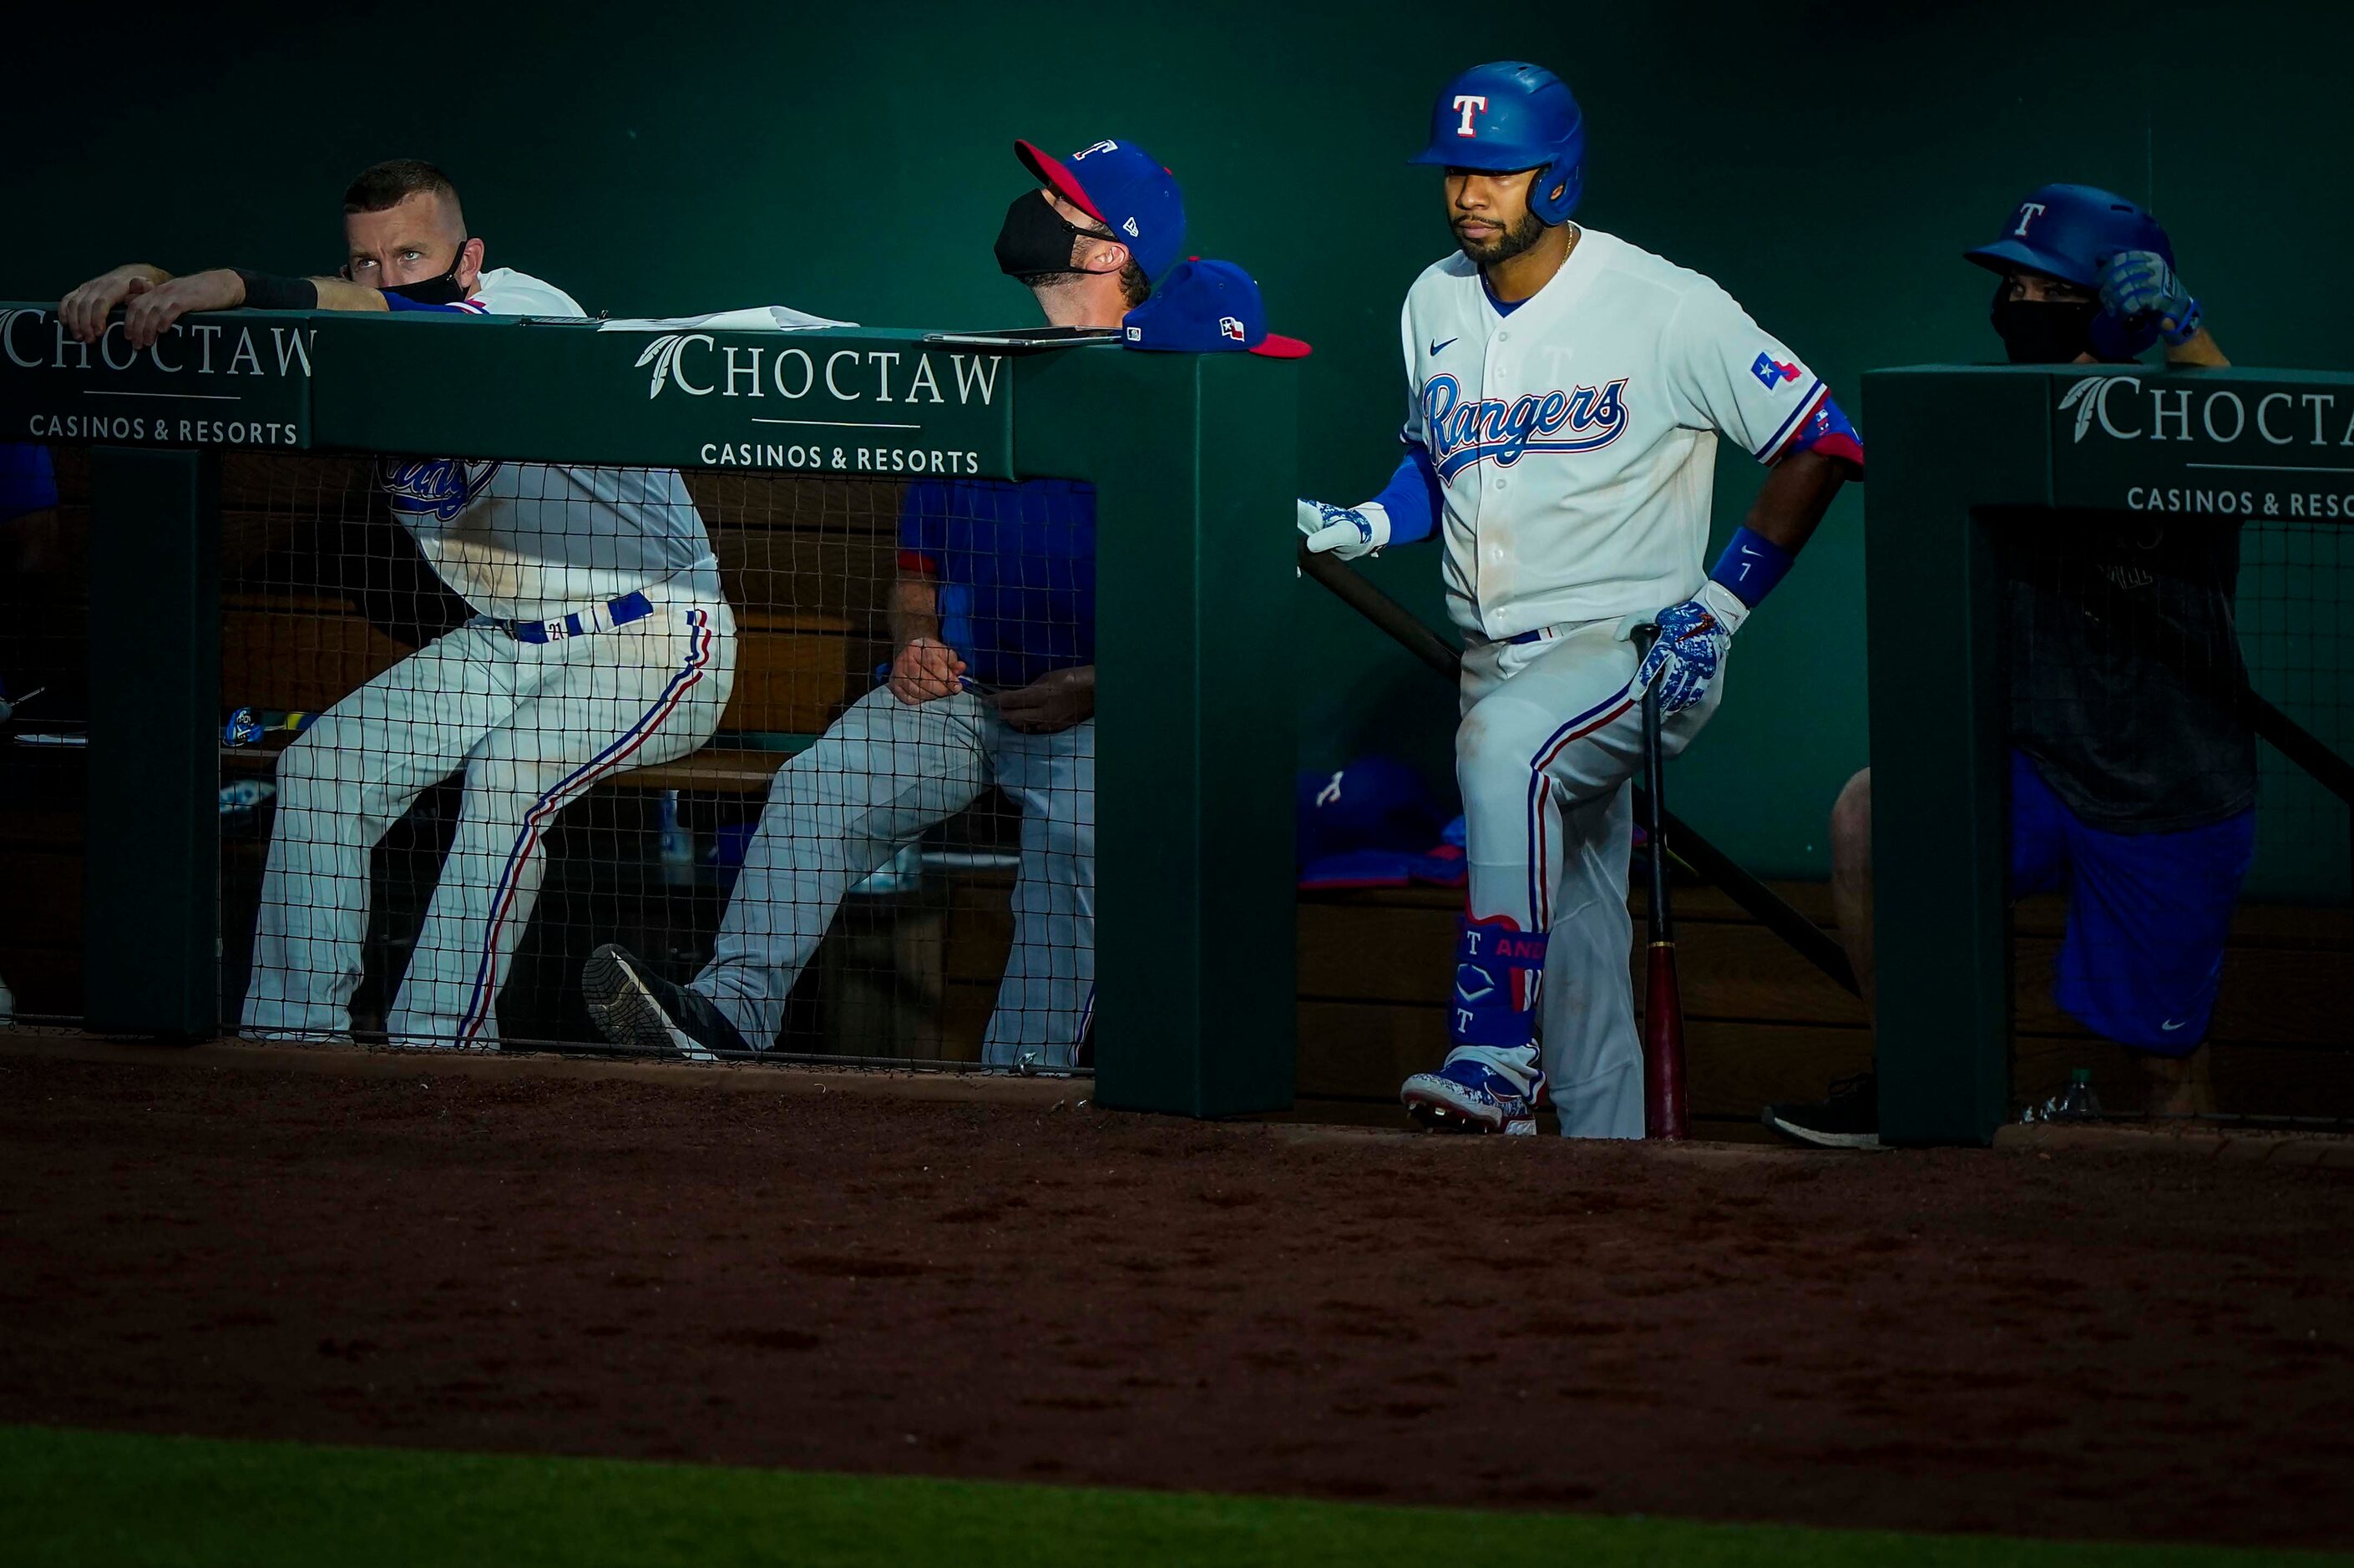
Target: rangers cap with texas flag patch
{"points": [[1125, 189], [1206, 307]]}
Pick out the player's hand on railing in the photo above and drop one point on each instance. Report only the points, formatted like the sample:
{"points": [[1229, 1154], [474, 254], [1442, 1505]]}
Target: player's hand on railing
{"points": [[83, 312], [1689, 651], [1054, 701], [1347, 532], [2139, 285], [926, 668], [152, 310]]}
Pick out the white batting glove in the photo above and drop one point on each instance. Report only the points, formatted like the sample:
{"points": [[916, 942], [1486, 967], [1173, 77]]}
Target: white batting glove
{"points": [[1347, 532]]}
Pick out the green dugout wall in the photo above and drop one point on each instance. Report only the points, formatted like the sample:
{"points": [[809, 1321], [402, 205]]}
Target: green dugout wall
{"points": [[1192, 460], [1949, 445]]}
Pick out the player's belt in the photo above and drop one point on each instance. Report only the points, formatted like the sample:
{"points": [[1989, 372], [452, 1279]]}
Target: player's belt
{"points": [[1542, 634], [614, 612]]}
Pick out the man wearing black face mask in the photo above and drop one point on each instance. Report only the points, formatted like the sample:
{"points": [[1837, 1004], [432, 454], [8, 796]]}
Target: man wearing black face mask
{"points": [[992, 615], [2133, 782], [601, 642]]}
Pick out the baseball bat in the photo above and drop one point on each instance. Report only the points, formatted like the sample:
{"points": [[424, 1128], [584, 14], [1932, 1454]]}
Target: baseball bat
{"points": [[1664, 1106]]}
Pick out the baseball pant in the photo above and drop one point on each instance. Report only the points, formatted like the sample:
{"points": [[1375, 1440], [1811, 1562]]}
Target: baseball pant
{"points": [[532, 726], [1550, 739], [883, 774]]}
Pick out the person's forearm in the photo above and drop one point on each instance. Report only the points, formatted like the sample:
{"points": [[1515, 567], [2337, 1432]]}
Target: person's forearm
{"points": [[2202, 349], [1796, 492], [338, 294], [914, 611]]}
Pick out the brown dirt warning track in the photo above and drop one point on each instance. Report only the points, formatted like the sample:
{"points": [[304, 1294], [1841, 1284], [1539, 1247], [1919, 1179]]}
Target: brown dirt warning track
{"points": [[763, 1267]]}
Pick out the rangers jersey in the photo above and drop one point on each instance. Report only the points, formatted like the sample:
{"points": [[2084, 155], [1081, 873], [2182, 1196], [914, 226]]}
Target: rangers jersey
{"points": [[523, 541], [1573, 435]]}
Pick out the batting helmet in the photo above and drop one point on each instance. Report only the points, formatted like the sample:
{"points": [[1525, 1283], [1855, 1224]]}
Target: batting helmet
{"points": [[2070, 232], [1507, 115]]}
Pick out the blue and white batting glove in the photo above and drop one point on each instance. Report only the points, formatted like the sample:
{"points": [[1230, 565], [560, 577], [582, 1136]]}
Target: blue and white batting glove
{"points": [[1347, 532], [1690, 650], [2139, 283]]}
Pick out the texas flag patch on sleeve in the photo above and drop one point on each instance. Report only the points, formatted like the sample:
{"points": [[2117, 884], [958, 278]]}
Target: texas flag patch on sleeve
{"points": [[1773, 372]]}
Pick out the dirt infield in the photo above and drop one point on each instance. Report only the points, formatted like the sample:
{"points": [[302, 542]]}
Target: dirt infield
{"points": [[2077, 1342]]}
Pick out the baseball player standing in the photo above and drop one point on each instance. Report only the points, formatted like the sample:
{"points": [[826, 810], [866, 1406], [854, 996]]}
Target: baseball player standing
{"points": [[602, 642], [1565, 395], [993, 615]]}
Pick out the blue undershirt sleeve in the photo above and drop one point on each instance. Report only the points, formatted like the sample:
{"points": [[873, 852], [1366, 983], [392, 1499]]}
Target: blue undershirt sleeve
{"points": [[1411, 498]]}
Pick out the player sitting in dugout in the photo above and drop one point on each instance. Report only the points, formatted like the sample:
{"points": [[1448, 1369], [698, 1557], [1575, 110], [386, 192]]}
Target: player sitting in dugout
{"points": [[2133, 782], [600, 643], [1567, 391], [994, 682]]}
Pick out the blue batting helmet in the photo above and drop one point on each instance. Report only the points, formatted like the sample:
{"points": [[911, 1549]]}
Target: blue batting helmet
{"points": [[1507, 115], [2070, 232]]}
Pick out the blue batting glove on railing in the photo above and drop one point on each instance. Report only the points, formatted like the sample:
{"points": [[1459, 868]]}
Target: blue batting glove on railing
{"points": [[1689, 651], [2139, 283], [1347, 532]]}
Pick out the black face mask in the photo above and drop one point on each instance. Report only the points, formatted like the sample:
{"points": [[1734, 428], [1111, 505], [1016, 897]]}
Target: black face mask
{"points": [[443, 291], [2045, 332], [1034, 244]]}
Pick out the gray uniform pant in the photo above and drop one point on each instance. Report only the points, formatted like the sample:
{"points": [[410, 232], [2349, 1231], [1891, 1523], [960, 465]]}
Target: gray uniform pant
{"points": [[533, 726], [1551, 738], [883, 774]]}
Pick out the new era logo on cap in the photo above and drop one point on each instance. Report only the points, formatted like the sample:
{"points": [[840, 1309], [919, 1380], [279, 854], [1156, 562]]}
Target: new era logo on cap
{"points": [[1206, 307]]}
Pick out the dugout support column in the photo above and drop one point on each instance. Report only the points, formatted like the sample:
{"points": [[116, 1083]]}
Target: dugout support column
{"points": [[150, 871], [1193, 459], [1945, 444]]}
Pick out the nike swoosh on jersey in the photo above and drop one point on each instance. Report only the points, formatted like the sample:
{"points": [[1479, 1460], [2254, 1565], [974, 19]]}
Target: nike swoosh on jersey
{"points": [[2170, 1026], [1436, 348]]}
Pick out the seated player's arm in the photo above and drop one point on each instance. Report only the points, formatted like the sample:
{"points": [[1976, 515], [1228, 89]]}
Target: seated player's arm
{"points": [[924, 667], [1054, 702], [152, 310], [83, 312]]}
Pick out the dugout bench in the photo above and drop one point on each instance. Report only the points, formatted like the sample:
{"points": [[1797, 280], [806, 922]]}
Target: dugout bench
{"points": [[1190, 456], [1952, 447]]}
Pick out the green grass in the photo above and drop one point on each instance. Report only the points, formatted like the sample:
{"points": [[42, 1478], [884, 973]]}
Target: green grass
{"points": [[89, 1499]]}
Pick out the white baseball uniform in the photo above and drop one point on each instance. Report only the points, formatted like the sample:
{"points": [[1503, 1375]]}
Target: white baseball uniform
{"points": [[602, 642], [1575, 437]]}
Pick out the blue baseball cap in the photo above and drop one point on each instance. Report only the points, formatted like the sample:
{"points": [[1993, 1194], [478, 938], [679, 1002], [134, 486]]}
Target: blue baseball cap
{"points": [[1206, 307], [1125, 189]]}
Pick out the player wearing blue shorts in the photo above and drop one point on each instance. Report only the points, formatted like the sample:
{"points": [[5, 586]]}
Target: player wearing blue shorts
{"points": [[993, 616], [2133, 782]]}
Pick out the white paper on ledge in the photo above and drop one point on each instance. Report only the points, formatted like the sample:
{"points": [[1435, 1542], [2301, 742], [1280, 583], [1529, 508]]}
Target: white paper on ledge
{"points": [[758, 318]]}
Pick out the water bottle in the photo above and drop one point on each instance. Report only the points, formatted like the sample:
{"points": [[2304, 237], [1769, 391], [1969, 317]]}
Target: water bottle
{"points": [[677, 847]]}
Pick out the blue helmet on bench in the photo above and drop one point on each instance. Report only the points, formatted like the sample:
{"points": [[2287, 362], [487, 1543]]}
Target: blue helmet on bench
{"points": [[1508, 115]]}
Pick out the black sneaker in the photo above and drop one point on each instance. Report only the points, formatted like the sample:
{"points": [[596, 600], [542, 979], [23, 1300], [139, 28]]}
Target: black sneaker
{"points": [[1849, 1119], [635, 1006]]}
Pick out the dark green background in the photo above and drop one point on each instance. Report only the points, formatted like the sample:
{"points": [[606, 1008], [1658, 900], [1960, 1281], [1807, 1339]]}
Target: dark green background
{"points": [[1825, 161]]}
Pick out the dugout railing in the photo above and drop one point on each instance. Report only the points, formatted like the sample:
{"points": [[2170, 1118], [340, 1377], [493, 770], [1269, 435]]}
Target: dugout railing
{"points": [[1188, 455], [1961, 454]]}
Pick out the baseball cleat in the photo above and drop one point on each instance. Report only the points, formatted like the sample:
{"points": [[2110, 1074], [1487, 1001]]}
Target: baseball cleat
{"points": [[1849, 1119], [1471, 1097], [634, 1006]]}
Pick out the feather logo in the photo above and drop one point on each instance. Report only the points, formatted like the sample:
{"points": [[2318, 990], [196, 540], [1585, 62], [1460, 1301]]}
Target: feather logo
{"points": [[662, 354], [2090, 396]]}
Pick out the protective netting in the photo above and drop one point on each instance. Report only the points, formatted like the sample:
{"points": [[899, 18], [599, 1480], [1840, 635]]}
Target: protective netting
{"points": [[499, 737], [2181, 704]]}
